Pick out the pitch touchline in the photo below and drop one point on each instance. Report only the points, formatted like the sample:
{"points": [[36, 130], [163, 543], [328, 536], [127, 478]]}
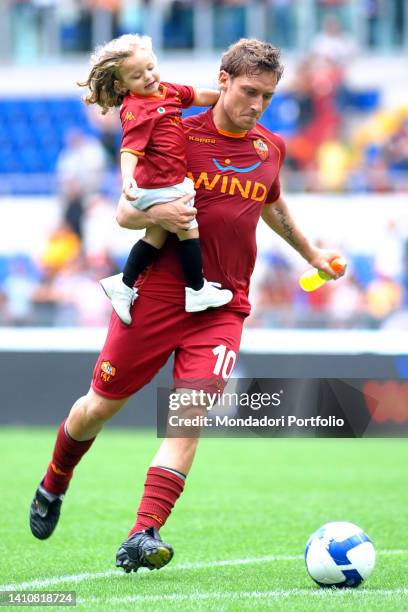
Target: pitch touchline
{"points": [[45, 582]]}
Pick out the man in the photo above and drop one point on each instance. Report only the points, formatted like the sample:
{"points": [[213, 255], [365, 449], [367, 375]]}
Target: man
{"points": [[235, 167]]}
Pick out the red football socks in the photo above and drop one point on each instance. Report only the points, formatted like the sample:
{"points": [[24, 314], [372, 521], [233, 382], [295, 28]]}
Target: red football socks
{"points": [[67, 454], [161, 491]]}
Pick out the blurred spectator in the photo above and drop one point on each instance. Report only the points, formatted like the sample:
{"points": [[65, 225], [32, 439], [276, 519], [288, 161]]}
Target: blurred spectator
{"points": [[108, 128], [281, 22], [62, 247], [372, 16], [274, 293], [315, 88], [345, 307], [34, 31], [99, 225], [333, 43], [178, 25], [380, 150], [80, 298], [76, 25], [74, 207], [18, 290], [384, 297], [82, 160], [396, 149], [72, 295], [332, 165], [132, 17], [229, 21], [333, 8]]}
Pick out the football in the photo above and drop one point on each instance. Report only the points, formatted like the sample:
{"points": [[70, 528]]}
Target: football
{"points": [[339, 555]]}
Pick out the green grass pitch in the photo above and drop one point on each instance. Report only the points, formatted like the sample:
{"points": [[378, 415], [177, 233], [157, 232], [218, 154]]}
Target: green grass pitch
{"points": [[238, 531]]}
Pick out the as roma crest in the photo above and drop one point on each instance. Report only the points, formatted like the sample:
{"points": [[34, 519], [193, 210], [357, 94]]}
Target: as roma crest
{"points": [[108, 371], [261, 148]]}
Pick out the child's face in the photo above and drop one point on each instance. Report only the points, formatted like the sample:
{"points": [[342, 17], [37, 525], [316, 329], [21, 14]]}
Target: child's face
{"points": [[139, 74]]}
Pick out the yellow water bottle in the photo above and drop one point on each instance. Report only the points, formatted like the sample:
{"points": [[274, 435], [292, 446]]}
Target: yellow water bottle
{"points": [[313, 279]]}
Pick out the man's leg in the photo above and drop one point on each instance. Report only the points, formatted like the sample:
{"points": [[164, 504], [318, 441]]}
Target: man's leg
{"points": [[74, 438], [207, 338], [163, 486]]}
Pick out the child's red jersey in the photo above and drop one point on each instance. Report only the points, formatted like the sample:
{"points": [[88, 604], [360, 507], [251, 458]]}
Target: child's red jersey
{"points": [[152, 130]]}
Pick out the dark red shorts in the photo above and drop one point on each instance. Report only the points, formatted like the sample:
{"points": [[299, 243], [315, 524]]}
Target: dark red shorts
{"points": [[205, 344]]}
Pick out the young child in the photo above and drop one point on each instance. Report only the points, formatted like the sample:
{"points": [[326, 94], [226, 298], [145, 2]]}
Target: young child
{"points": [[153, 161]]}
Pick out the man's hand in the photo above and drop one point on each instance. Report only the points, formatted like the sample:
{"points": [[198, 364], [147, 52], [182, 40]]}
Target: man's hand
{"points": [[129, 188], [173, 216], [321, 258]]}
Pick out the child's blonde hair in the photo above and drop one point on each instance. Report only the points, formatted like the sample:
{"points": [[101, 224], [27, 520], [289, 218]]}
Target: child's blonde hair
{"points": [[105, 63]]}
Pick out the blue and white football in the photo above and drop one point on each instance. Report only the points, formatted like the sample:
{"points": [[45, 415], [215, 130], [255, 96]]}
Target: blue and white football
{"points": [[339, 554]]}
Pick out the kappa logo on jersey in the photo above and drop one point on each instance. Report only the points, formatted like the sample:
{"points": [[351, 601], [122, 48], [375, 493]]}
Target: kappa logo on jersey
{"points": [[261, 148], [202, 140], [108, 371], [176, 121], [129, 116]]}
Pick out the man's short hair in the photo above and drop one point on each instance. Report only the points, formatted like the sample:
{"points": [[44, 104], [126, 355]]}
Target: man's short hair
{"points": [[249, 56]]}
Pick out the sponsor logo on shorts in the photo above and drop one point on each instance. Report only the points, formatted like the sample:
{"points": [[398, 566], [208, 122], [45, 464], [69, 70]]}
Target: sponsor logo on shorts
{"points": [[261, 148], [108, 371]]}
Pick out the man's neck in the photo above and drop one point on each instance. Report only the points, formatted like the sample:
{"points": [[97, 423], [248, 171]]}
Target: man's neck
{"points": [[221, 120]]}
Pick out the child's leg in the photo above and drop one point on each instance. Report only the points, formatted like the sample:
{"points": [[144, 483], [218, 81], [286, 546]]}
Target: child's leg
{"points": [[200, 294], [143, 254], [190, 257], [119, 288]]}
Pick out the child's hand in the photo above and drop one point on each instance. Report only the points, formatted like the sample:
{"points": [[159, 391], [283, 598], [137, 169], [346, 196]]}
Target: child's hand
{"points": [[129, 188]]}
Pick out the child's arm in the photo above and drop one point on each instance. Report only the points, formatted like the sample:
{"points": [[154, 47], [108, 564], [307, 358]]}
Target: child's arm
{"points": [[206, 97], [128, 163]]}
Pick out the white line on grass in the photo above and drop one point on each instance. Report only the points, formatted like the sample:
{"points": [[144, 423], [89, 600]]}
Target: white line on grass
{"points": [[75, 578], [237, 595]]}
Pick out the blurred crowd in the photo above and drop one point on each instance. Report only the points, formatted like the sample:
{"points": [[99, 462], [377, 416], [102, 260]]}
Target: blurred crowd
{"points": [[372, 295], [343, 141], [74, 26], [61, 288], [337, 141]]}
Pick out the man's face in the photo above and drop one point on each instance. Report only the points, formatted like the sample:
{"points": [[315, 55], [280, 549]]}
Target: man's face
{"points": [[244, 98]]}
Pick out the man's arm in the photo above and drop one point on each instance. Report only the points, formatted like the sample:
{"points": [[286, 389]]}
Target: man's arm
{"points": [[171, 216], [279, 218]]}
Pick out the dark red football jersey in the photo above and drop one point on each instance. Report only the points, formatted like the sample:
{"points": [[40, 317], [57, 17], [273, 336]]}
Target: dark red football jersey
{"points": [[152, 129], [235, 176]]}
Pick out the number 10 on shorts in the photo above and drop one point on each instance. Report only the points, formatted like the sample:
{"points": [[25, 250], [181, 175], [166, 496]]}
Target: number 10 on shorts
{"points": [[225, 361]]}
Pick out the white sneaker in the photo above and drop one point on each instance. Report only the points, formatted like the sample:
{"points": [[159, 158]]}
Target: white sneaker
{"points": [[210, 295], [121, 296]]}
